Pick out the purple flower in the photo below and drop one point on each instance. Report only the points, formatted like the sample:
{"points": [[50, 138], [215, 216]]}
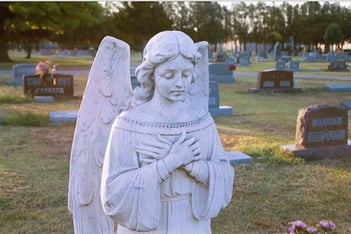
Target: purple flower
{"points": [[292, 229], [332, 225], [299, 224], [325, 224], [312, 229]]}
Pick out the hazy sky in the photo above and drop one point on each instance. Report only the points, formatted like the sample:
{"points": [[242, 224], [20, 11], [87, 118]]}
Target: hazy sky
{"points": [[229, 3]]}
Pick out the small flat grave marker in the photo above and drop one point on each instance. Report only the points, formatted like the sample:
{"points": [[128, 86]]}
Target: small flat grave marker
{"points": [[60, 117], [338, 87]]}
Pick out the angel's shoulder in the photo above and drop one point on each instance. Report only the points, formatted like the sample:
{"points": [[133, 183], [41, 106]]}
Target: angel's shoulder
{"points": [[135, 113]]}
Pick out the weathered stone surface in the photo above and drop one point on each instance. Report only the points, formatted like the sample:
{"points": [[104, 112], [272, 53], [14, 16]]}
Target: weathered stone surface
{"points": [[320, 126]]}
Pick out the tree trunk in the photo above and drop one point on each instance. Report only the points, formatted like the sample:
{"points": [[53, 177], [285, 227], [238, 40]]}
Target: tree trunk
{"points": [[4, 57], [4, 14], [28, 49]]}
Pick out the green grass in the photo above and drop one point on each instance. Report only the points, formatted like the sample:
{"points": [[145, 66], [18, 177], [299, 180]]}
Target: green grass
{"points": [[273, 190]]}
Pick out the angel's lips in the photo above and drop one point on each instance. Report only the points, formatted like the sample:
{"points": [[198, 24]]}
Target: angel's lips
{"points": [[178, 92]]}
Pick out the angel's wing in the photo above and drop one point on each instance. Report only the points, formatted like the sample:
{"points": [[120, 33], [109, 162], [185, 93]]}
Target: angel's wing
{"points": [[200, 92], [106, 93]]}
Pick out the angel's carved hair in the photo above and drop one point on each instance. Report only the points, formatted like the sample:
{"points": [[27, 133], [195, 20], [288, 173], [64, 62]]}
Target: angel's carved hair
{"points": [[162, 47]]}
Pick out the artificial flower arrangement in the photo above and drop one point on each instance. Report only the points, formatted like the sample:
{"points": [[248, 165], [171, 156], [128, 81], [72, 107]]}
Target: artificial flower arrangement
{"points": [[323, 227], [46, 70]]}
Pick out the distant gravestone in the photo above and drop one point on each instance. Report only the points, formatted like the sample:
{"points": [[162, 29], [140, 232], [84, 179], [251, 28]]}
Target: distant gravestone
{"points": [[294, 65], [338, 87], [346, 104], [19, 70], [221, 73], [332, 57], [244, 61], [280, 65], [61, 85], [312, 57], [274, 80], [60, 117], [213, 102], [321, 125], [277, 50], [221, 56], [321, 132], [337, 66]]}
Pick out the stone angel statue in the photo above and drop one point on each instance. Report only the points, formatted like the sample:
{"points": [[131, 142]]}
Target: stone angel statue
{"points": [[148, 160]]}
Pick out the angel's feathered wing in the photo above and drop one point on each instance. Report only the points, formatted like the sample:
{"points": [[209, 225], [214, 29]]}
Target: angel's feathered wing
{"points": [[200, 91], [107, 91]]}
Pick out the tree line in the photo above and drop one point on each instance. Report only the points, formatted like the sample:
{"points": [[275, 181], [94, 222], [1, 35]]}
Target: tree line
{"points": [[84, 24]]}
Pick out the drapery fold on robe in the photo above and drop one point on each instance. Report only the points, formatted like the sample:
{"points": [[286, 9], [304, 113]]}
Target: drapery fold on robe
{"points": [[131, 192]]}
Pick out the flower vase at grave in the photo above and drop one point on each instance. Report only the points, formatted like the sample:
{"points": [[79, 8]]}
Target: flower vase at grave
{"points": [[47, 79]]}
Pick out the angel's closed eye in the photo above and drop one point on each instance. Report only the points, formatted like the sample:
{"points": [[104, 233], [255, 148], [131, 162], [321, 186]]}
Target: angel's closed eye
{"points": [[168, 74], [186, 74]]}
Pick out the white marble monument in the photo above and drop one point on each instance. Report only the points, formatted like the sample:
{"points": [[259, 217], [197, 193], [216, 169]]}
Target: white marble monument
{"points": [[148, 160]]}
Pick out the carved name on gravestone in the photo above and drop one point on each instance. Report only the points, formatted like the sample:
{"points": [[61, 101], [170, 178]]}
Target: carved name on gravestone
{"points": [[275, 79], [61, 86], [320, 126]]}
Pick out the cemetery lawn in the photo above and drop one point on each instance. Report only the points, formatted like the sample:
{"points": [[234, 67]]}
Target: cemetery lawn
{"points": [[273, 190]]}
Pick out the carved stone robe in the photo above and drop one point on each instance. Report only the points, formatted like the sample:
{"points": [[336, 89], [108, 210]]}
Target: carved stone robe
{"points": [[135, 197]]}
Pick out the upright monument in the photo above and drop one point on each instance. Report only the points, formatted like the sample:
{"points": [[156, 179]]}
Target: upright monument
{"points": [[150, 159]]}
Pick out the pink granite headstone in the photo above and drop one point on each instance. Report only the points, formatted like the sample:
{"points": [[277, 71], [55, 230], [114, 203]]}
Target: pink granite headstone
{"points": [[320, 126]]}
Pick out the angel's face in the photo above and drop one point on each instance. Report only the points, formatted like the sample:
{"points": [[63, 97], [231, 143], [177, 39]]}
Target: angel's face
{"points": [[173, 79]]}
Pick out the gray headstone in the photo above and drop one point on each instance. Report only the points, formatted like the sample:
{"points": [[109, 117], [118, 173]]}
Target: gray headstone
{"points": [[213, 102], [244, 61], [221, 73], [280, 65], [19, 70], [277, 49], [294, 65]]}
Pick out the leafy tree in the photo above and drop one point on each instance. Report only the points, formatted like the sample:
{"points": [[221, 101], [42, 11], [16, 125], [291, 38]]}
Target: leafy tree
{"points": [[179, 14], [33, 22], [333, 34], [88, 28], [138, 21], [207, 19], [241, 23]]}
